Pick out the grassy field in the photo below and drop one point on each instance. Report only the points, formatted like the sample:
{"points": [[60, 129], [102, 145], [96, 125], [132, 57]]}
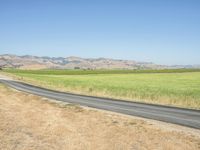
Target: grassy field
{"points": [[31, 122], [87, 72], [179, 89]]}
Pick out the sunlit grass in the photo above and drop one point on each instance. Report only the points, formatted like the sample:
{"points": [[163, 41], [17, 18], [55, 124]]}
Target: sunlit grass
{"points": [[180, 89], [100, 71]]}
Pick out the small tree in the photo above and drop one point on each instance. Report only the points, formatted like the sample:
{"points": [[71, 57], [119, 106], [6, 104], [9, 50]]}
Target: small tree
{"points": [[76, 67]]}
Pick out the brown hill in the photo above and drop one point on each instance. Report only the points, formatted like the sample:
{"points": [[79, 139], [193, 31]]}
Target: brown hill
{"points": [[35, 62]]}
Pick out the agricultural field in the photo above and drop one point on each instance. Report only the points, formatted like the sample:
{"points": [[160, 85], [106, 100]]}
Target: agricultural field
{"points": [[100, 71], [170, 87]]}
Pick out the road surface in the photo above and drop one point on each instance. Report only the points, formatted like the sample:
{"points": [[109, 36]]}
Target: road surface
{"points": [[185, 117]]}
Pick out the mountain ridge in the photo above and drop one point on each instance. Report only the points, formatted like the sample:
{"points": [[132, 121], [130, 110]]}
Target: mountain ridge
{"points": [[73, 62]]}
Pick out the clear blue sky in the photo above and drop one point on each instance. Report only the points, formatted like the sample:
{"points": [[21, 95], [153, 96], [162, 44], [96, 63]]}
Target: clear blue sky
{"points": [[159, 31]]}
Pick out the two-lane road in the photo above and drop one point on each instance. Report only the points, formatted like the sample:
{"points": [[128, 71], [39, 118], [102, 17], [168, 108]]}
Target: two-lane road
{"points": [[185, 117]]}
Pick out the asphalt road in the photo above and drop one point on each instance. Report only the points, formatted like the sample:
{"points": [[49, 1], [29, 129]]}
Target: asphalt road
{"points": [[185, 117]]}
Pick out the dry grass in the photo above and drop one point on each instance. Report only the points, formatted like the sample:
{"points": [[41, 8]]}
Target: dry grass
{"points": [[33, 67], [30, 122]]}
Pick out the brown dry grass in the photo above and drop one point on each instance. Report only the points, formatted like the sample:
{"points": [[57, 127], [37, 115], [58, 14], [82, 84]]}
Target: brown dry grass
{"points": [[30, 122], [34, 67]]}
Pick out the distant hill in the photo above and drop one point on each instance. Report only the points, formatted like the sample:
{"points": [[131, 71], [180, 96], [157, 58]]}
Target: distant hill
{"points": [[35, 62]]}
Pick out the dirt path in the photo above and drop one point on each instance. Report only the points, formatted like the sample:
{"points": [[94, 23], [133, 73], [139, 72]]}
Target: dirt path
{"points": [[30, 122]]}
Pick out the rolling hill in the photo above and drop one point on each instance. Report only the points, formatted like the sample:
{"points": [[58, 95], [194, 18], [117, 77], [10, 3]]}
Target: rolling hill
{"points": [[35, 62]]}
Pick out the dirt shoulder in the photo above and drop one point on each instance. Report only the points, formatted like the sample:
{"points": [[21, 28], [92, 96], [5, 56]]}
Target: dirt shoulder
{"points": [[32, 122]]}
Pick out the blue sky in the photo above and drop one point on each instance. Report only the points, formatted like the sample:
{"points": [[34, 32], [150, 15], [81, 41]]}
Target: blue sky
{"points": [[159, 31]]}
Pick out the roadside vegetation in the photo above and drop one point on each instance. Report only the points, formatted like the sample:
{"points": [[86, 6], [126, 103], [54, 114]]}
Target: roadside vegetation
{"points": [[180, 87], [30, 122]]}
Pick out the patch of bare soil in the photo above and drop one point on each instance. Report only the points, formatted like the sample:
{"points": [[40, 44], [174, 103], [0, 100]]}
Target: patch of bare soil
{"points": [[29, 122]]}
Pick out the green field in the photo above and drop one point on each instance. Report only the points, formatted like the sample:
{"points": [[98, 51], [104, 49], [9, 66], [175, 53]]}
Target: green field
{"points": [[179, 89], [87, 72]]}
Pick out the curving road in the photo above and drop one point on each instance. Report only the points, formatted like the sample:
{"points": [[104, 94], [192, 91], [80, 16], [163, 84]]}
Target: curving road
{"points": [[185, 117]]}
